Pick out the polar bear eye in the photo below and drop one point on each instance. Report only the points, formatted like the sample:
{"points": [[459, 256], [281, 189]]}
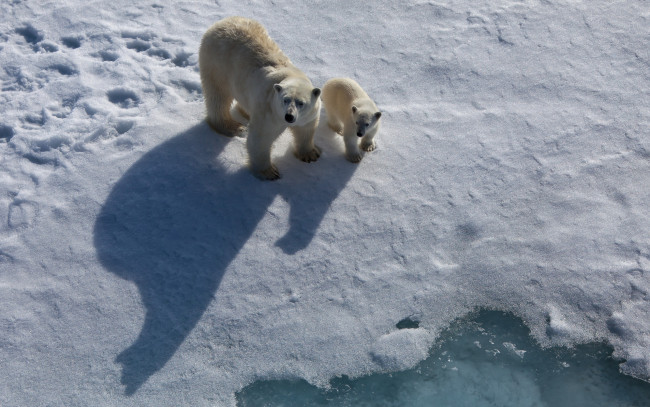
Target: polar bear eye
{"points": [[300, 103], [287, 101]]}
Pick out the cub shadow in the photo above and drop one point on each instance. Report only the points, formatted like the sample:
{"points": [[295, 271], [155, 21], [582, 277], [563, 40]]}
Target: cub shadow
{"points": [[175, 221]]}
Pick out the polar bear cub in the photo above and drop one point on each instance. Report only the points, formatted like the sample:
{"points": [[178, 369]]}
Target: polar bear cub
{"points": [[353, 114], [239, 61]]}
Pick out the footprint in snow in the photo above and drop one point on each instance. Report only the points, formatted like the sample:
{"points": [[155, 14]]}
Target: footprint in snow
{"points": [[139, 41], [108, 55], [124, 98], [144, 42], [36, 38], [31, 34], [35, 119], [6, 133], [159, 53], [71, 42], [138, 45], [183, 59], [21, 214], [189, 90], [64, 68], [122, 126], [49, 46]]}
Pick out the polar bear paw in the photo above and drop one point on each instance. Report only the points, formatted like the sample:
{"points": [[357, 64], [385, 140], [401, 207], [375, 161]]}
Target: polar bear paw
{"points": [[228, 129], [354, 157], [241, 132], [368, 146], [268, 174], [309, 156]]}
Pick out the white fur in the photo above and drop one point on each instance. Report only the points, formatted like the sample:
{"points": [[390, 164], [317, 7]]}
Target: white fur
{"points": [[353, 114], [239, 61]]}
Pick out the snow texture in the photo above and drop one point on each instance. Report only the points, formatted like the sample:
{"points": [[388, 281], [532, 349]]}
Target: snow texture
{"points": [[142, 264]]}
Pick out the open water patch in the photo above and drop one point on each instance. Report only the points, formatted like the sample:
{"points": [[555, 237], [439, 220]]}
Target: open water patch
{"points": [[485, 359]]}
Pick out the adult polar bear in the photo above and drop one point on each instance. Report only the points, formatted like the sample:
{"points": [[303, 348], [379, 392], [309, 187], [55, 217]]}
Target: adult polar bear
{"points": [[238, 60]]}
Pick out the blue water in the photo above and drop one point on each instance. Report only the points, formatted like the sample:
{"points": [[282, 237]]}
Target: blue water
{"points": [[487, 359]]}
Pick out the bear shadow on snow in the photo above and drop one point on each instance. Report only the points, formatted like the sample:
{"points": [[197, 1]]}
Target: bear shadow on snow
{"points": [[176, 219]]}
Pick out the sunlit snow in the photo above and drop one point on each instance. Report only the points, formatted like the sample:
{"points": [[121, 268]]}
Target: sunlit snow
{"points": [[141, 264]]}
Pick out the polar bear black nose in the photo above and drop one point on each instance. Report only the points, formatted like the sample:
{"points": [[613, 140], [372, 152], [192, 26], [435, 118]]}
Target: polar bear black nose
{"points": [[359, 134], [289, 118]]}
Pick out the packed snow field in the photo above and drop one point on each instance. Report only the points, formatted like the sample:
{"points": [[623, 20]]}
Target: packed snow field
{"points": [[142, 264]]}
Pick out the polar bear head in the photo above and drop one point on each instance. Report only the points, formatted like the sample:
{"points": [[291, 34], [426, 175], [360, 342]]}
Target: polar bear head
{"points": [[297, 101], [365, 115]]}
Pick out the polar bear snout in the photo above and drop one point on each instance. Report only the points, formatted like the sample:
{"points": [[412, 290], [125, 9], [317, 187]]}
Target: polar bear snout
{"points": [[291, 112], [362, 129]]}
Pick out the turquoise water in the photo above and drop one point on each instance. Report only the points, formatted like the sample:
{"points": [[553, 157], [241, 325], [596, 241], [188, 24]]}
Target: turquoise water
{"points": [[487, 359]]}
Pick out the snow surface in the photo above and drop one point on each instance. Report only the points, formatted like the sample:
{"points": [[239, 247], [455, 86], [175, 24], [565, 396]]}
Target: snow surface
{"points": [[142, 264]]}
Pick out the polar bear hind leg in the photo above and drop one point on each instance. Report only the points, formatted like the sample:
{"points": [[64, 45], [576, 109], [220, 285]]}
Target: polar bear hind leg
{"points": [[239, 114], [218, 101], [335, 125]]}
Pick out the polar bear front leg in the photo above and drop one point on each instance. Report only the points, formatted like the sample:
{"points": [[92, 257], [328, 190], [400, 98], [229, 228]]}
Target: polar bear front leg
{"points": [[261, 137], [303, 137], [367, 141], [351, 140]]}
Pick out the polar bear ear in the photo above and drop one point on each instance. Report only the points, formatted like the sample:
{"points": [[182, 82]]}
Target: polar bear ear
{"points": [[316, 92], [377, 115], [277, 87], [354, 109]]}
